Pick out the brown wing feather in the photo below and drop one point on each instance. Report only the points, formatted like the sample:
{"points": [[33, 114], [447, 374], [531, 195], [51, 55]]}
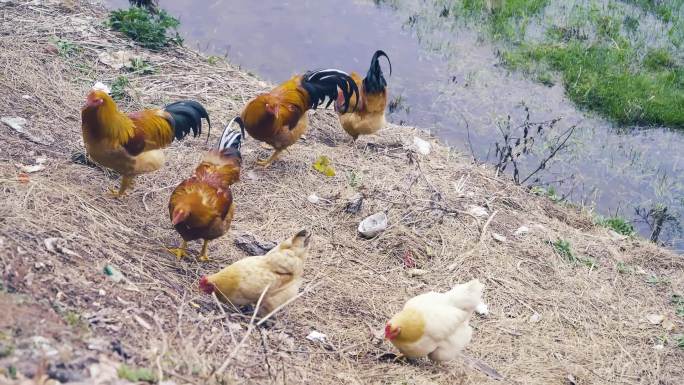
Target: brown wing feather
{"points": [[153, 130]]}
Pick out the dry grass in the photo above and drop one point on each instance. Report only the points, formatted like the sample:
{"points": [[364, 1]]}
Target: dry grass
{"points": [[592, 325]]}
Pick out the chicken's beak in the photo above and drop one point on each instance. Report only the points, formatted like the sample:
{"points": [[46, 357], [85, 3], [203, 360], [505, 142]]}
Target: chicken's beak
{"points": [[179, 216]]}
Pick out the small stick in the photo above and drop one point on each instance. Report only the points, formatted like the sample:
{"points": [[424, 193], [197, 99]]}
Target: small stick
{"points": [[244, 338]]}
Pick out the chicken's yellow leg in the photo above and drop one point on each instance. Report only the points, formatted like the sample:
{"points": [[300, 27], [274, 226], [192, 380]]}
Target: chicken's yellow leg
{"points": [[179, 252], [126, 182], [267, 162], [203, 254]]}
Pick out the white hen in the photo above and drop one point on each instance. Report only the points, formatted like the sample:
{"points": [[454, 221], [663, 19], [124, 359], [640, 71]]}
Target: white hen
{"points": [[436, 324]]}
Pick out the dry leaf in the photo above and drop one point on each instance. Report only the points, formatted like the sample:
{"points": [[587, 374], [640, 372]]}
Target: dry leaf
{"points": [[322, 165]]}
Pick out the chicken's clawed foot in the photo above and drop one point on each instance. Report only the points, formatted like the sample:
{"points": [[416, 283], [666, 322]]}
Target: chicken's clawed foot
{"points": [[179, 252], [126, 182], [203, 257], [267, 162]]}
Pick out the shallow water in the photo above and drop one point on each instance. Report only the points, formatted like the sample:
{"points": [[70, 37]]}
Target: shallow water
{"points": [[446, 76]]}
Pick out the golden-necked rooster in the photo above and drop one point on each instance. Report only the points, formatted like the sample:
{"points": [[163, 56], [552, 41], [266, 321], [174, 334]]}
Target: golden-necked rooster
{"points": [[279, 117], [436, 324], [131, 144], [202, 206], [369, 116], [280, 270]]}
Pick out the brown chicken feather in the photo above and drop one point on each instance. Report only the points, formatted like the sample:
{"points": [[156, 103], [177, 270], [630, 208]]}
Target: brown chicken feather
{"points": [[369, 117], [131, 144], [202, 206], [279, 117]]}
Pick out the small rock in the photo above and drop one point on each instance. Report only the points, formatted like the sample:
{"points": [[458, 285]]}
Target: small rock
{"points": [[499, 237], [41, 160], [42, 343], [641, 271], [27, 97], [116, 60], [534, 318], [373, 225], [98, 344], [522, 230], [668, 325], [252, 246], [354, 204], [655, 319], [101, 292], [39, 265], [317, 336], [659, 346], [420, 146], [313, 198], [478, 211]]}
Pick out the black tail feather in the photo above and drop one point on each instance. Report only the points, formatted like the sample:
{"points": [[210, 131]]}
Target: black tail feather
{"points": [[322, 84], [231, 140], [187, 116], [374, 81]]}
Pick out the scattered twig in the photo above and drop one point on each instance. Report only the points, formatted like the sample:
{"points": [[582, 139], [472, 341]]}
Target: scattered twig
{"points": [[235, 351]]}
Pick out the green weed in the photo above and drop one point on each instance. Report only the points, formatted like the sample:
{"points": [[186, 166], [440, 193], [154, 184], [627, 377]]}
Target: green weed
{"points": [[66, 48], [118, 87], [655, 280], [624, 268], [562, 247], [213, 60], [136, 374], [678, 301], [72, 318], [354, 178], [618, 224], [153, 31], [141, 66], [680, 342]]}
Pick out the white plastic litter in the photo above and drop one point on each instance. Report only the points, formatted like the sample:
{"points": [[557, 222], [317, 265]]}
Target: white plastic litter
{"points": [[373, 225], [317, 336]]}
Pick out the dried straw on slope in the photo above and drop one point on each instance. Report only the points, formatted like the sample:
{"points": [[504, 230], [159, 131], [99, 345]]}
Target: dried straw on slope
{"points": [[592, 324]]}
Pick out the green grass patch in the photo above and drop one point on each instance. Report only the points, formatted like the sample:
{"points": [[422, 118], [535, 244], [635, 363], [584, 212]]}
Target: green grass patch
{"points": [[118, 87], [136, 374], [624, 268], [678, 301], [600, 53], [617, 224], [153, 31], [563, 249], [604, 79]]}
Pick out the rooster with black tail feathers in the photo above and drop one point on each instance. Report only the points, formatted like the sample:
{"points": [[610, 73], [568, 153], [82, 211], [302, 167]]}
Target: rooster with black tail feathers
{"points": [[369, 117], [131, 144], [202, 206], [279, 117]]}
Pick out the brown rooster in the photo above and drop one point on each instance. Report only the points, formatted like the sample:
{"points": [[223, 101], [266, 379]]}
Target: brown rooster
{"points": [[131, 144], [279, 117], [202, 206], [369, 117]]}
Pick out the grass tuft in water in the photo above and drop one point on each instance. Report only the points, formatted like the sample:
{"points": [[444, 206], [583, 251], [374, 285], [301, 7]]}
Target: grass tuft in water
{"points": [[599, 49]]}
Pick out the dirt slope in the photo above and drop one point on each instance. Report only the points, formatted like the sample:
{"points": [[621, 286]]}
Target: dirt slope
{"points": [[553, 320]]}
